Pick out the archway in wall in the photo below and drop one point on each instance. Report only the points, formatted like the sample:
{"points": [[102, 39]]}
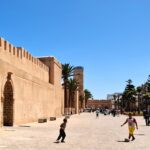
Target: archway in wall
{"points": [[8, 104]]}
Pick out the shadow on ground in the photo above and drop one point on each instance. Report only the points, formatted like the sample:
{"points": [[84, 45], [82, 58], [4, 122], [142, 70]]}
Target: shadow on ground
{"points": [[140, 134], [123, 141], [24, 126]]}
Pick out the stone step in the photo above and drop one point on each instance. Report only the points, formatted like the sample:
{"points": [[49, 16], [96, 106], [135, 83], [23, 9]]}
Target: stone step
{"points": [[67, 117], [42, 120], [52, 118]]}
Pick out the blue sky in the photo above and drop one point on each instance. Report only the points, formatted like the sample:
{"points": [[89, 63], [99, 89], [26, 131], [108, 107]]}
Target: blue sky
{"points": [[109, 38]]}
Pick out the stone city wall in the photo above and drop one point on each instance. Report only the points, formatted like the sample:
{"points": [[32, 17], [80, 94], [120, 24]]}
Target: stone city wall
{"points": [[22, 59], [99, 104], [34, 96]]}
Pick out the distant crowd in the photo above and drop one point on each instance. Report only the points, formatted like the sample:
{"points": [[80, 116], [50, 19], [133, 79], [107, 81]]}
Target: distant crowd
{"points": [[105, 111], [117, 112]]}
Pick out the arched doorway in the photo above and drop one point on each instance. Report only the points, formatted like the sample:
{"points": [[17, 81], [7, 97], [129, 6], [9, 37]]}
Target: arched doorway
{"points": [[8, 104]]}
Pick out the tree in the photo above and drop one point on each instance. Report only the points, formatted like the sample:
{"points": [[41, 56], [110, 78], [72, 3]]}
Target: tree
{"points": [[129, 95], [67, 71], [88, 95], [115, 102], [146, 95], [117, 98], [81, 99], [146, 100], [148, 84], [139, 89], [72, 86], [139, 96]]}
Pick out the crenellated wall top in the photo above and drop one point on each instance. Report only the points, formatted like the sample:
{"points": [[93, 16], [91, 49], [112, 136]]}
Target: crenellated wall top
{"points": [[21, 53]]}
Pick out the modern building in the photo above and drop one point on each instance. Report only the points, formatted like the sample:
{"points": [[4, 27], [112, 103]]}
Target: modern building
{"points": [[115, 98]]}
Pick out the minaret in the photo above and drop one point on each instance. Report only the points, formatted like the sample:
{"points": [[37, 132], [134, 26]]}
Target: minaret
{"points": [[79, 76]]}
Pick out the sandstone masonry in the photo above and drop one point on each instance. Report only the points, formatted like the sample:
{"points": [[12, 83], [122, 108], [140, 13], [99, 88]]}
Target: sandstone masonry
{"points": [[30, 88]]}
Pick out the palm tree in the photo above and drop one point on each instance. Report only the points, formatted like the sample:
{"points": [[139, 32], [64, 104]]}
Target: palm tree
{"points": [[117, 100], [88, 95], [67, 71], [72, 86], [81, 99]]}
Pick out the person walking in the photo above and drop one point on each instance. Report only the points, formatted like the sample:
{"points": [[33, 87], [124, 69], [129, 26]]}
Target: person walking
{"points": [[97, 113], [131, 125], [62, 133], [146, 116]]}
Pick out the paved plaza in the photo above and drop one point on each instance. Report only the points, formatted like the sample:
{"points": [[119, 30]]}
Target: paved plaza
{"points": [[84, 132]]}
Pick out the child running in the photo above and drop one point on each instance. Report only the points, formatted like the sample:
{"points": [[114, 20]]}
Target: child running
{"points": [[62, 133], [131, 124]]}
